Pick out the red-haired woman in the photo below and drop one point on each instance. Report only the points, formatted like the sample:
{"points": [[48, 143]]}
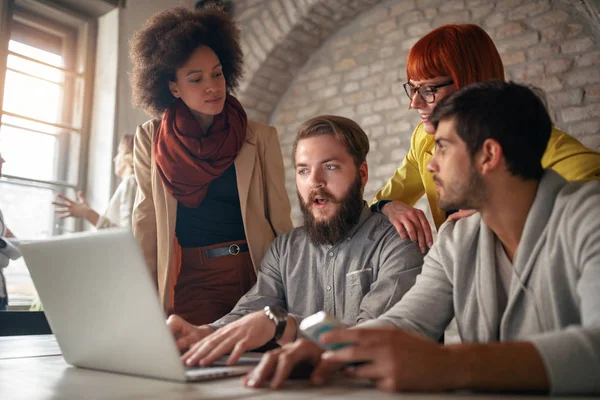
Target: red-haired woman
{"points": [[211, 194], [440, 63]]}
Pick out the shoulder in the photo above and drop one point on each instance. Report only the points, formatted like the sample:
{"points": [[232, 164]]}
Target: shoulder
{"points": [[561, 143], [456, 247], [570, 158], [420, 137], [462, 226], [378, 228], [378, 225], [419, 132], [259, 132], [577, 197], [149, 127], [559, 137], [379, 236], [421, 141], [575, 220], [454, 235], [557, 132]]}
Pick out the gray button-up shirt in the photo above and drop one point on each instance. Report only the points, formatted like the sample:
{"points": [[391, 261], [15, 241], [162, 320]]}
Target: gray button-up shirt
{"points": [[355, 280]]}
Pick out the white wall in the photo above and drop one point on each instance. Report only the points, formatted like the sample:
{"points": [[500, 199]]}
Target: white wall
{"points": [[102, 137]]}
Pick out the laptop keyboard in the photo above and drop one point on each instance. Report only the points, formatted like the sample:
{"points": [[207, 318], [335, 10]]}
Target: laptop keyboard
{"points": [[211, 372]]}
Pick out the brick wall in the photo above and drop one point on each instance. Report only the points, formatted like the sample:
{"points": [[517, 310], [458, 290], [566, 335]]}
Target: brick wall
{"points": [[306, 58]]}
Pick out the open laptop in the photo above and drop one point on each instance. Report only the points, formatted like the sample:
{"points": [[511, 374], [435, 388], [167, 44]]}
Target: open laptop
{"points": [[103, 307]]}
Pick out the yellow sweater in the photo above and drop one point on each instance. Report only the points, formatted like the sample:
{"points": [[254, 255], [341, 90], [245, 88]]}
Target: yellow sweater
{"points": [[564, 154]]}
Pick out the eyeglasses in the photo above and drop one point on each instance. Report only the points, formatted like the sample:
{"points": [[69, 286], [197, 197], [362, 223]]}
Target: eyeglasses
{"points": [[427, 93]]}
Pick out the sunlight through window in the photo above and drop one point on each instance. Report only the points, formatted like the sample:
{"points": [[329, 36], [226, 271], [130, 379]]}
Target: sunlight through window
{"points": [[38, 144]]}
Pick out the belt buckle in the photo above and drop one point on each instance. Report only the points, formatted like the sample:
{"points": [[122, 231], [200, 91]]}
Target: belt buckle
{"points": [[234, 249]]}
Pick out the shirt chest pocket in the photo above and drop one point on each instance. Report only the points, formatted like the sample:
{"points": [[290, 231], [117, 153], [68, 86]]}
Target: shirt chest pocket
{"points": [[358, 284]]}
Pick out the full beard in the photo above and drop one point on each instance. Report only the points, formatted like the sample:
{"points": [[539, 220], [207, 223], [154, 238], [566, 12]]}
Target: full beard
{"points": [[341, 223]]}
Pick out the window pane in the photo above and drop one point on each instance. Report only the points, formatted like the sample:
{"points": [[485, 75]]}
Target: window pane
{"points": [[35, 69], [23, 159], [45, 105], [56, 156], [28, 210], [31, 125], [29, 214], [34, 52]]}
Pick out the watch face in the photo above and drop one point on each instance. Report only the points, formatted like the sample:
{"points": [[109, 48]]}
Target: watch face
{"points": [[278, 312]]}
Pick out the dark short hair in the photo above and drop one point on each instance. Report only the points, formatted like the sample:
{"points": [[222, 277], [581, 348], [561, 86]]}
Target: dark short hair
{"points": [[514, 115], [166, 42], [348, 132]]}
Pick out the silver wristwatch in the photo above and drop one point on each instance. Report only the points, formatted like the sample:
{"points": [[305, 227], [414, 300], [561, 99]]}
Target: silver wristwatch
{"points": [[279, 317]]}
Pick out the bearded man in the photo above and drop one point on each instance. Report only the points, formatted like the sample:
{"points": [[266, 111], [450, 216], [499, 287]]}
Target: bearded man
{"points": [[345, 260]]}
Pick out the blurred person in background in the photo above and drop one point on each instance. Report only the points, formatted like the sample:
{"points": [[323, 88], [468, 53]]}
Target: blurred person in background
{"points": [[8, 251], [120, 207]]}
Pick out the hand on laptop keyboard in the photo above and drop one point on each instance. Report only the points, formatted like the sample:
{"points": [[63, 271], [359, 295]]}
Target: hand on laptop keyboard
{"points": [[186, 334], [247, 333]]}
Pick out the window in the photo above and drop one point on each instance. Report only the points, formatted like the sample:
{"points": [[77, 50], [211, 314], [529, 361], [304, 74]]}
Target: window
{"points": [[41, 134]]}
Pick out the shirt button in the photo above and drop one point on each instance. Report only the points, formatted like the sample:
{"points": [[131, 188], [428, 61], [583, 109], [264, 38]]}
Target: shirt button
{"points": [[328, 287], [331, 254]]}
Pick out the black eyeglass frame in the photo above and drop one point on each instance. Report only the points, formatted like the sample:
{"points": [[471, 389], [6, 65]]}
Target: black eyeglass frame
{"points": [[417, 89]]}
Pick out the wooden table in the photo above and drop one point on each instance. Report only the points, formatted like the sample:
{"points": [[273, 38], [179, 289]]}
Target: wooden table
{"points": [[32, 368]]}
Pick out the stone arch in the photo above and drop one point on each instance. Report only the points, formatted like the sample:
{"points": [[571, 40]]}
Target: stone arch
{"points": [[278, 37]]}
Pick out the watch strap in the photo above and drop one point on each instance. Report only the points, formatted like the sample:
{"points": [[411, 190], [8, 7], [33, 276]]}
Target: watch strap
{"points": [[279, 318]]}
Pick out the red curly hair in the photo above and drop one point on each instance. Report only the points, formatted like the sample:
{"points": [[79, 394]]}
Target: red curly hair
{"points": [[465, 52]]}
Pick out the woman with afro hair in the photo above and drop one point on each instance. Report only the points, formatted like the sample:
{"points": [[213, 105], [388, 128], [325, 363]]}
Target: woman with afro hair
{"points": [[211, 194]]}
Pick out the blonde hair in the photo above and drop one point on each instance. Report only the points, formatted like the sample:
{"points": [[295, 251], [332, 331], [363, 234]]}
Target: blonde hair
{"points": [[126, 149]]}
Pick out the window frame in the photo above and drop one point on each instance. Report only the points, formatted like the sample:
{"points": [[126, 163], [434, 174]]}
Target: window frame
{"points": [[78, 32]]}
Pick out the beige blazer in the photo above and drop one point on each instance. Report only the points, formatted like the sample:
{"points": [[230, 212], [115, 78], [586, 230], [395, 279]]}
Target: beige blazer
{"points": [[263, 199]]}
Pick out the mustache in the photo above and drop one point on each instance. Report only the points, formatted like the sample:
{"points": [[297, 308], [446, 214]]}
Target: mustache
{"points": [[322, 193]]}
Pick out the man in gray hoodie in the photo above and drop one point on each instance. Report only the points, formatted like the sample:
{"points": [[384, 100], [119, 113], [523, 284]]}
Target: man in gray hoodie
{"points": [[521, 276]]}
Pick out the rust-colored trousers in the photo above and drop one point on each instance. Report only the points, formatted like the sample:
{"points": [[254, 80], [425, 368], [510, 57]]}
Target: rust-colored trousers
{"points": [[208, 288]]}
